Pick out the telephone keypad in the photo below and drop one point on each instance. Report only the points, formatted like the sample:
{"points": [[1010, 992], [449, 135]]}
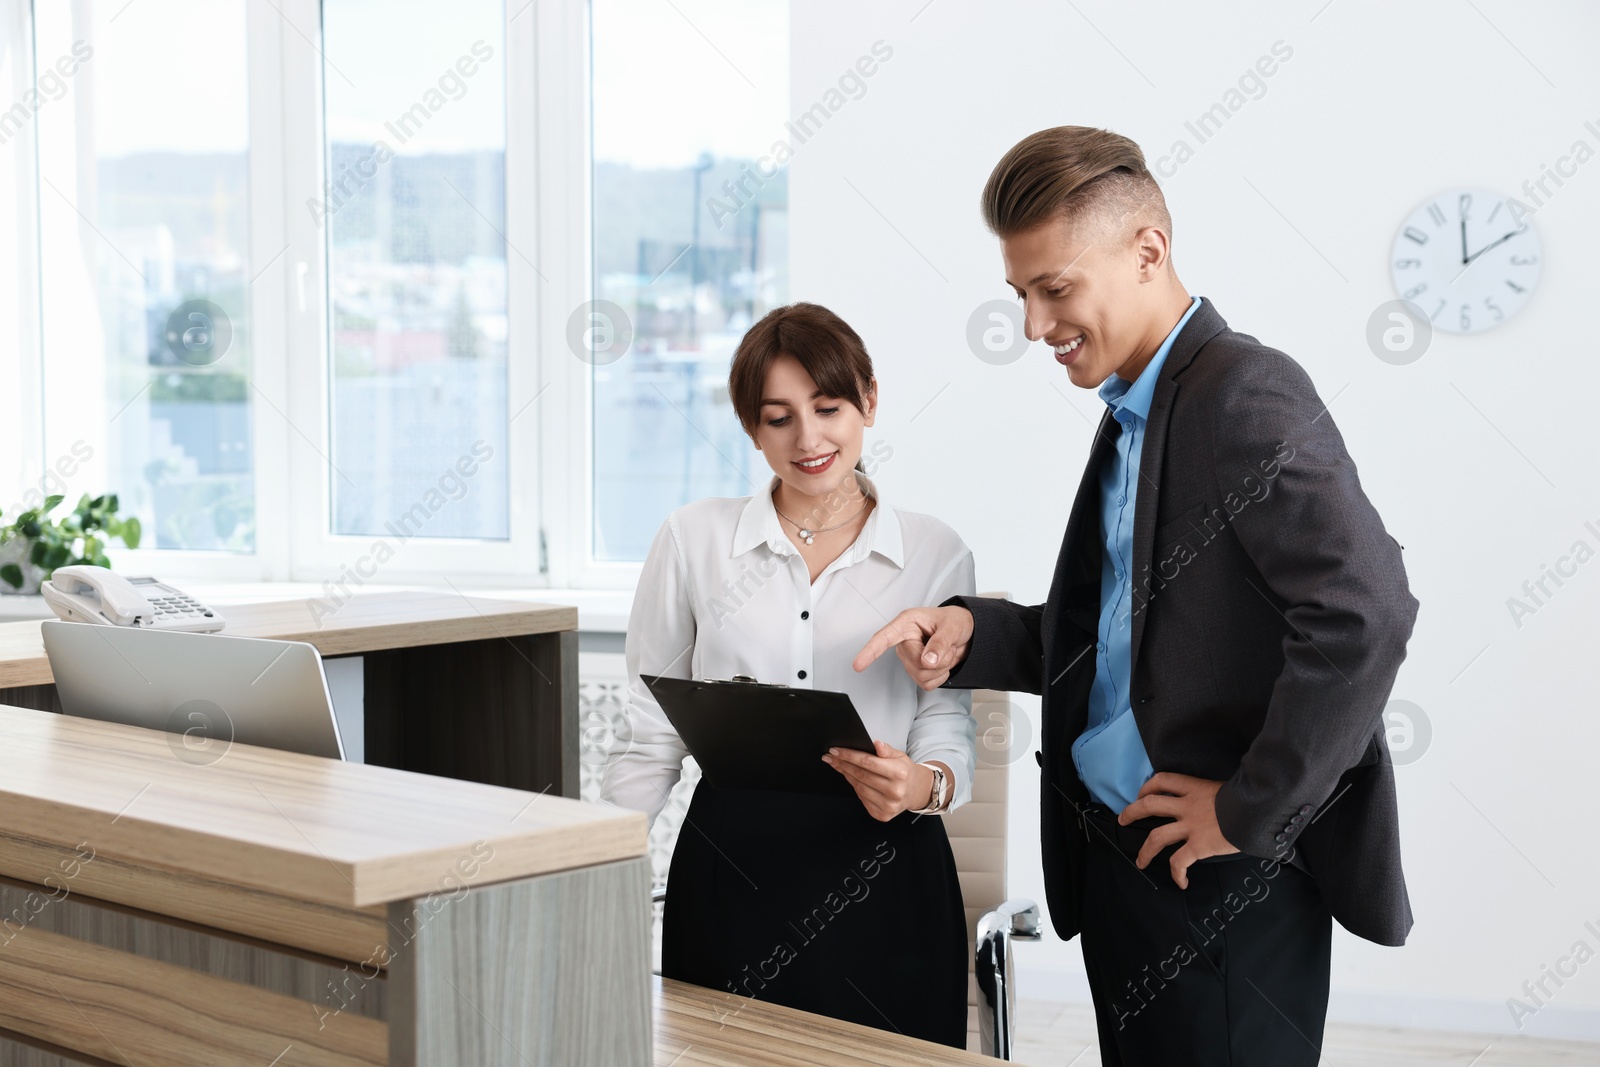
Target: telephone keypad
{"points": [[177, 605]]}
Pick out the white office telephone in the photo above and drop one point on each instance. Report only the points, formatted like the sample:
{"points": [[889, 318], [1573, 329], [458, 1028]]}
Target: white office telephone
{"points": [[100, 595]]}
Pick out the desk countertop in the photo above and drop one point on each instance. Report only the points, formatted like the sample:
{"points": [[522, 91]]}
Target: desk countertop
{"points": [[697, 1027], [365, 622], [343, 834], [599, 610]]}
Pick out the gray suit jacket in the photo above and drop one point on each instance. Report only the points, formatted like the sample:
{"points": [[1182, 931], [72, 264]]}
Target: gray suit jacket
{"points": [[1271, 613]]}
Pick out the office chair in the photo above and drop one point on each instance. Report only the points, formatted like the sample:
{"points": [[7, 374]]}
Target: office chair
{"points": [[977, 832]]}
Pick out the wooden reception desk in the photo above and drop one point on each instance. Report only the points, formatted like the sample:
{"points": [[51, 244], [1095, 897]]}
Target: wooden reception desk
{"points": [[276, 909], [476, 688]]}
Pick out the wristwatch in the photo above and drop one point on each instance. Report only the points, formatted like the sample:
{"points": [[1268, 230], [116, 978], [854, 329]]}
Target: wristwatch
{"points": [[940, 786]]}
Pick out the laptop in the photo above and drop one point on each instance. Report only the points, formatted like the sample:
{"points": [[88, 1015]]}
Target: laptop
{"points": [[211, 689]]}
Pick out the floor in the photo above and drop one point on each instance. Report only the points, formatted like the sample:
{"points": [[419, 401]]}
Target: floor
{"points": [[1051, 1034]]}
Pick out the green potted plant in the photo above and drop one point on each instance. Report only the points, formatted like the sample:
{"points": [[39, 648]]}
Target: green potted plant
{"points": [[34, 545]]}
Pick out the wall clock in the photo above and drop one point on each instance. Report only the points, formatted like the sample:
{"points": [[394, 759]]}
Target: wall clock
{"points": [[1467, 258]]}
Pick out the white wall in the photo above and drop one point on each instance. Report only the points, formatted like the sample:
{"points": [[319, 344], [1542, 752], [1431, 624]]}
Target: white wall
{"points": [[1479, 456]]}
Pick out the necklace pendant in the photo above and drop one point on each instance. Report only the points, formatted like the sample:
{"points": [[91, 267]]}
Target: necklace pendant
{"points": [[809, 536]]}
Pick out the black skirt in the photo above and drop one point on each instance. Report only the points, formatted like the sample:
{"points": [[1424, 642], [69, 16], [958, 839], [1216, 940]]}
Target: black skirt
{"points": [[810, 902]]}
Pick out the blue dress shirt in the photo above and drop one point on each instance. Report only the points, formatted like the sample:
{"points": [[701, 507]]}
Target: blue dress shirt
{"points": [[1109, 754]]}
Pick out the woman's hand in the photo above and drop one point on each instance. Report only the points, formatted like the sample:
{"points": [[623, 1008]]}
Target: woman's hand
{"points": [[887, 783]]}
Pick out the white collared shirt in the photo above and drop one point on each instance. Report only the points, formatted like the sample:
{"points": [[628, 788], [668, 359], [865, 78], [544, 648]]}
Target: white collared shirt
{"points": [[725, 592]]}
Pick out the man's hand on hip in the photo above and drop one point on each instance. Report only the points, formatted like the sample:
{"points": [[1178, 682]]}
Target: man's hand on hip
{"points": [[1193, 803], [931, 642]]}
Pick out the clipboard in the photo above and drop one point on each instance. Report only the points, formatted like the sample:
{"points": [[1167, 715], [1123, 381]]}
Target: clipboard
{"points": [[752, 735]]}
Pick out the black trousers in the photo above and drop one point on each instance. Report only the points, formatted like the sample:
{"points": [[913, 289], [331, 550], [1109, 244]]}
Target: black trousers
{"points": [[810, 902], [1232, 971]]}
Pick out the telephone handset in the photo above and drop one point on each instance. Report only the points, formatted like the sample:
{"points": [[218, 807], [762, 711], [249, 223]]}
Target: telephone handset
{"points": [[99, 595]]}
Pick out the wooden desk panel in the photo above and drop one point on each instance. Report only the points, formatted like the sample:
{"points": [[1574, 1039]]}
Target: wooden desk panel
{"points": [[550, 971], [352, 935], [503, 711], [77, 994]]}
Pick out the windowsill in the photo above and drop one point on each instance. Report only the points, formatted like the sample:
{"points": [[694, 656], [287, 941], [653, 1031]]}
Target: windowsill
{"points": [[601, 611]]}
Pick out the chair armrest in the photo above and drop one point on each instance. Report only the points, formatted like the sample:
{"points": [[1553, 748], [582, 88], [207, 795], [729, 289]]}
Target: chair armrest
{"points": [[1022, 916]]}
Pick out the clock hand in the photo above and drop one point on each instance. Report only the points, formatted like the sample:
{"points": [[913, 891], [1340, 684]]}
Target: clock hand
{"points": [[1496, 244], [1464, 259]]}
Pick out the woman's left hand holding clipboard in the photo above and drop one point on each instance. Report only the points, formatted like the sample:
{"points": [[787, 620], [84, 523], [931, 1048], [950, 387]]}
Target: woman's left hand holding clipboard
{"points": [[888, 782]]}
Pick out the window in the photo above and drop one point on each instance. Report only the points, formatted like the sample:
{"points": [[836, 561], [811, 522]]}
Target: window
{"points": [[415, 222], [144, 268], [688, 249]]}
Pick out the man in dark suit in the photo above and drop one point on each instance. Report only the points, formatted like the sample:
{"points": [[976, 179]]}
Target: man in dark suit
{"points": [[1221, 635]]}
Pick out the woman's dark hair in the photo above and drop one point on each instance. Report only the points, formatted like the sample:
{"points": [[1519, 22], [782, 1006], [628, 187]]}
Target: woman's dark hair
{"points": [[823, 343]]}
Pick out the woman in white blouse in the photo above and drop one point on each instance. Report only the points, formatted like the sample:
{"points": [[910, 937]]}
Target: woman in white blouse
{"points": [[846, 906]]}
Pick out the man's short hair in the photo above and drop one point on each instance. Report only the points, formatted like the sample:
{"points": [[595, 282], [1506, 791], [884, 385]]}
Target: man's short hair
{"points": [[1074, 173]]}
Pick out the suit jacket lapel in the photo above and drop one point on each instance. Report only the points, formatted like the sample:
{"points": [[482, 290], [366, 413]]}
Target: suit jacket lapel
{"points": [[1075, 590], [1147, 501], [1075, 597], [1202, 326]]}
